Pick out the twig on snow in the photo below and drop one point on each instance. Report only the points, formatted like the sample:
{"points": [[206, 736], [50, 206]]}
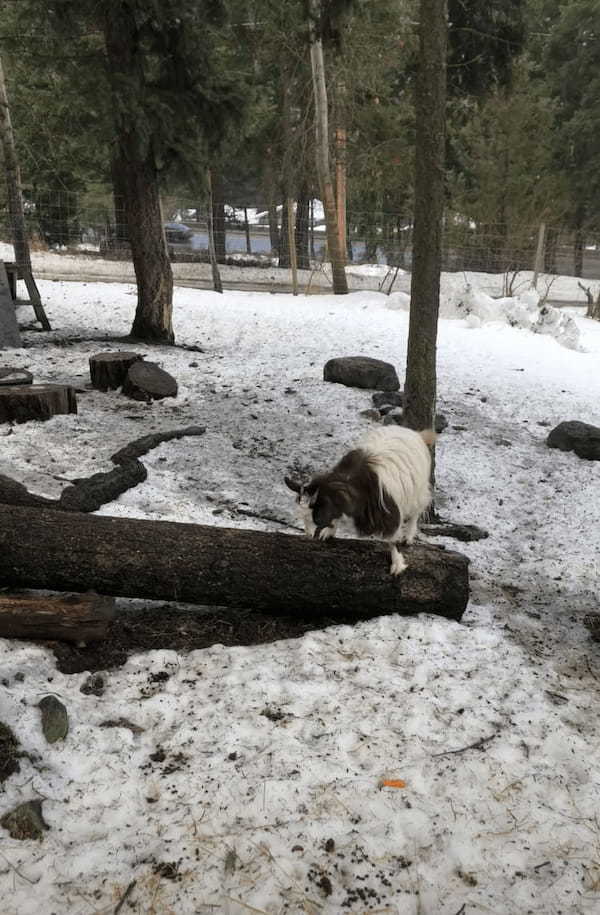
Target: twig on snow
{"points": [[478, 745], [123, 898]]}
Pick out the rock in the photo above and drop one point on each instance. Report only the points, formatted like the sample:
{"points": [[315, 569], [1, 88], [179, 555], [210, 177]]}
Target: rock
{"points": [[25, 821], [373, 415], [15, 376], [362, 372], [55, 722], [93, 685], [396, 416], [388, 399], [582, 438], [147, 381]]}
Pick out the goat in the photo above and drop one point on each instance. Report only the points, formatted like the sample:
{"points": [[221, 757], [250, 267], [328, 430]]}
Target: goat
{"points": [[382, 485]]}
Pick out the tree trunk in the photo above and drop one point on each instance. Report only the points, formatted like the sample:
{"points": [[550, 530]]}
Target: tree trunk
{"points": [[338, 262], [340, 165], [69, 617], [210, 226], [284, 238], [135, 161], [550, 250], [218, 215], [301, 234], [120, 236], [161, 560], [420, 382], [247, 232], [15, 205], [578, 243]]}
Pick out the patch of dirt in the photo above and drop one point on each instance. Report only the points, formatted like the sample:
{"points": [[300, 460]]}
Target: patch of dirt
{"points": [[153, 628], [9, 752]]}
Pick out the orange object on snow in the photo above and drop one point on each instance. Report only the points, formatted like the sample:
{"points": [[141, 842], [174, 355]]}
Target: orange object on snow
{"points": [[392, 783]]}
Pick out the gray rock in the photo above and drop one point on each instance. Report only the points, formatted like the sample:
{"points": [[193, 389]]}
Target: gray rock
{"points": [[25, 821], [582, 438], [388, 399], [147, 381], [396, 417], [55, 722], [362, 372], [93, 685]]}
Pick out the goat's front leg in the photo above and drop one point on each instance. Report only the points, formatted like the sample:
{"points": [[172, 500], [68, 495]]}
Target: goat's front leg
{"points": [[411, 529], [327, 532], [398, 562]]}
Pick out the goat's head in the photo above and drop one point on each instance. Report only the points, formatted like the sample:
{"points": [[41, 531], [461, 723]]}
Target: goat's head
{"points": [[323, 500]]}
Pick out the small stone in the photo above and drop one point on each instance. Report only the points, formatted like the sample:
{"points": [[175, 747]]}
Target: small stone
{"points": [[93, 686], [388, 398], [25, 821], [55, 722]]}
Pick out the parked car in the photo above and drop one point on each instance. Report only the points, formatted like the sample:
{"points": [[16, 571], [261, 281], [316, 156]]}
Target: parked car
{"points": [[178, 232]]}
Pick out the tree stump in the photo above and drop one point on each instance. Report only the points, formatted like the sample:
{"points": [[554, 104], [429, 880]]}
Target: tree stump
{"points": [[10, 376], [109, 370], [69, 617], [147, 381], [20, 403]]}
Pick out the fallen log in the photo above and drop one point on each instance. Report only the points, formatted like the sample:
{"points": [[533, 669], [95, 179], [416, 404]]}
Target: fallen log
{"points": [[67, 617], [273, 572]]}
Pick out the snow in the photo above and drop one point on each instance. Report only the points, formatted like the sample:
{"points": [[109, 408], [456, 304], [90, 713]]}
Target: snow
{"points": [[259, 770]]}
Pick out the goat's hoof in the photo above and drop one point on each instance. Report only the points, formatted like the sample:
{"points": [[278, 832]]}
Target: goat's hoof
{"points": [[398, 566], [326, 533]]}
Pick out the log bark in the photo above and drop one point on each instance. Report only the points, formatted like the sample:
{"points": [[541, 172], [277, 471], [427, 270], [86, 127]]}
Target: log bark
{"points": [[109, 370], [23, 402], [278, 573], [68, 617]]}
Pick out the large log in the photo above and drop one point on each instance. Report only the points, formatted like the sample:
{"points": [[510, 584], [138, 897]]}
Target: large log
{"points": [[162, 560], [70, 617]]}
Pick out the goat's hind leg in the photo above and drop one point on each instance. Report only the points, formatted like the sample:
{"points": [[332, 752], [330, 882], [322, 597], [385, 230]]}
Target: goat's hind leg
{"points": [[398, 561]]}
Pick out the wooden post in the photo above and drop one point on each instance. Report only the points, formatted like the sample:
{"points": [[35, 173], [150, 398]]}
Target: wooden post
{"points": [[538, 265], [247, 231], [216, 273], [292, 245]]}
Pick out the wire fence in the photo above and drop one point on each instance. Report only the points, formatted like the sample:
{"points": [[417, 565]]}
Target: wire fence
{"points": [[68, 223]]}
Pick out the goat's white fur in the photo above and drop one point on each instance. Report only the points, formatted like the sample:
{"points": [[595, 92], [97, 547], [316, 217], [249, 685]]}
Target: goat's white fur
{"points": [[400, 458]]}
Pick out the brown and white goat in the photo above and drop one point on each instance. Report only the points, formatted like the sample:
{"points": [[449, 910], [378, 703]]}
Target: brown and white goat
{"points": [[382, 485]]}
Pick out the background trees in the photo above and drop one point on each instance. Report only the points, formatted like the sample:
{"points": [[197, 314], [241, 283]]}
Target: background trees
{"points": [[174, 88]]}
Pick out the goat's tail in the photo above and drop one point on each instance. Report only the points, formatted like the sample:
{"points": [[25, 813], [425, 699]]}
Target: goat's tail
{"points": [[429, 436]]}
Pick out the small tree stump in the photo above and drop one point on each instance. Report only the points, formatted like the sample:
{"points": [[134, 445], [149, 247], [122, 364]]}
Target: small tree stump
{"points": [[20, 403], [146, 381], [9, 376], [109, 370], [68, 617]]}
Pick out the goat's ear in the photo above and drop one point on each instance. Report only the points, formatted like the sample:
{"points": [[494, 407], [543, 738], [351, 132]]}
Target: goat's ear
{"points": [[294, 485]]}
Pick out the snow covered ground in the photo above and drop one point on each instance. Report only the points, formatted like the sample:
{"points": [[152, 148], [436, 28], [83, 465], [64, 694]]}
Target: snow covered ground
{"points": [[255, 785]]}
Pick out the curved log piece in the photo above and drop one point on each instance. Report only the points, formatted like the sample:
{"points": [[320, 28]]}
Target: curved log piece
{"points": [[277, 573], [23, 402], [108, 371], [89, 493]]}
